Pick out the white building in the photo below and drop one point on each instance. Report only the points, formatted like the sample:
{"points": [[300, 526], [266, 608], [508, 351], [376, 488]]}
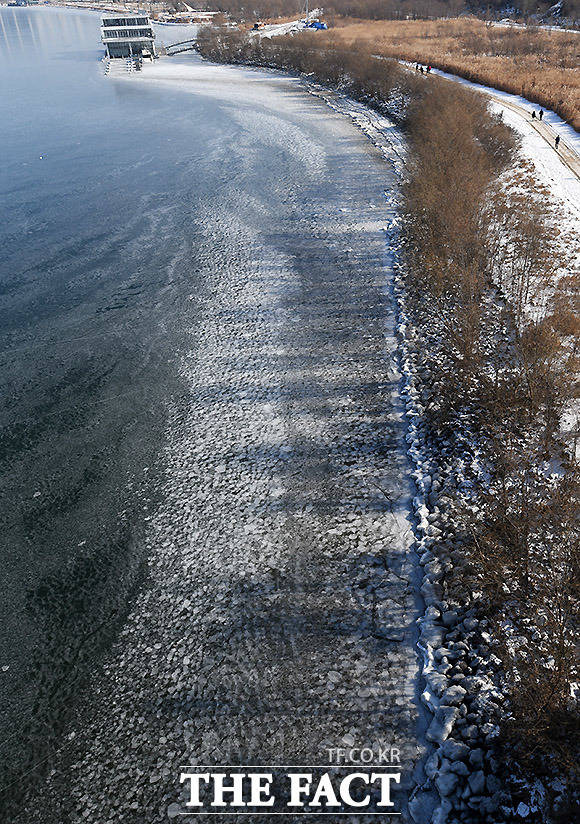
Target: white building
{"points": [[125, 36]]}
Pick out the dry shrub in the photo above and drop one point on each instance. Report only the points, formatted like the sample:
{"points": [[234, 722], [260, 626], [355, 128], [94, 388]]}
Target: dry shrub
{"points": [[526, 558], [508, 373], [458, 151], [446, 192], [542, 66], [358, 72]]}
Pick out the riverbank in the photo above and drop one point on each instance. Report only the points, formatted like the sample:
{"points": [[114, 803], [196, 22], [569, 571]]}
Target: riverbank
{"points": [[459, 247], [278, 617]]}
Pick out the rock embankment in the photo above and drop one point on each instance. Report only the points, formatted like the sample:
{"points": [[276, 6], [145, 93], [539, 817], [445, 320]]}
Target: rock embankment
{"points": [[460, 668]]}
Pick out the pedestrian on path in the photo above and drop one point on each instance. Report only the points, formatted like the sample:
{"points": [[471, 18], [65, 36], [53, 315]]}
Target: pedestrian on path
{"points": [[428, 69], [541, 113], [534, 115], [557, 141]]}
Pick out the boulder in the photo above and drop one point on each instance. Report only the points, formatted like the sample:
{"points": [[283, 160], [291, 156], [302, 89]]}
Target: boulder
{"points": [[441, 814], [437, 682], [455, 750], [493, 784], [476, 758], [477, 782], [446, 782], [460, 768], [442, 724], [432, 765], [449, 618], [453, 695], [470, 733], [421, 807]]}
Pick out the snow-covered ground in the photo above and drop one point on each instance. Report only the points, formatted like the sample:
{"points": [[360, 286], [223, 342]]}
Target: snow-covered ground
{"points": [[278, 29], [552, 171], [566, 132], [169, 33], [511, 24], [559, 178]]}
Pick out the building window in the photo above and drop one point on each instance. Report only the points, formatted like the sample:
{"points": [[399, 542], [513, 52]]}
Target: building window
{"points": [[124, 21]]}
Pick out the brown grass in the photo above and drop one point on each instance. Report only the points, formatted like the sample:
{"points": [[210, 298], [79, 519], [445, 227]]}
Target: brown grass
{"points": [[543, 66]]}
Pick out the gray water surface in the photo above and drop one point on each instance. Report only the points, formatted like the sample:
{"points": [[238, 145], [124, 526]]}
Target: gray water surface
{"points": [[202, 454], [101, 193]]}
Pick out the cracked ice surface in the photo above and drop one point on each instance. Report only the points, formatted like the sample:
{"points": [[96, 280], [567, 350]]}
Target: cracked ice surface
{"points": [[278, 616]]}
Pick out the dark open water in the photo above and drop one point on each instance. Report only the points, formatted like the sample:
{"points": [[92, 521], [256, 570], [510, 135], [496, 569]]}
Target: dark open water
{"points": [[134, 214], [100, 182]]}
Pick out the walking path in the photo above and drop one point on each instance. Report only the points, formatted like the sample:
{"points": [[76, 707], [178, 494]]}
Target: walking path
{"points": [[558, 169], [548, 128], [566, 153]]}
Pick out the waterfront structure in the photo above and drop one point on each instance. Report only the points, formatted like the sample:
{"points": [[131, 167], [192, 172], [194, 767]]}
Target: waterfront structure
{"points": [[125, 36]]}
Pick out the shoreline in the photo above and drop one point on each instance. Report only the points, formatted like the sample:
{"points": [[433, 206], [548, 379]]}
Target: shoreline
{"points": [[274, 450]]}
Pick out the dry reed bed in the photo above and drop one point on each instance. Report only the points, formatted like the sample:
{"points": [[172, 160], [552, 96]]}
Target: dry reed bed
{"points": [[542, 66]]}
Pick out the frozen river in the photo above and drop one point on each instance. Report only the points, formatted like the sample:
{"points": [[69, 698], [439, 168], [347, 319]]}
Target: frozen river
{"points": [[207, 499]]}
